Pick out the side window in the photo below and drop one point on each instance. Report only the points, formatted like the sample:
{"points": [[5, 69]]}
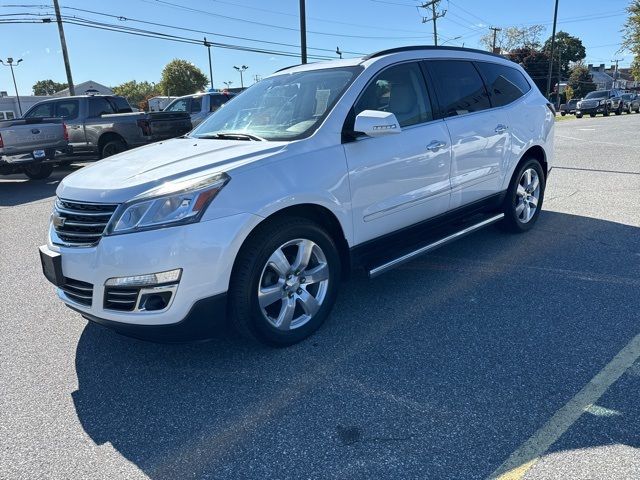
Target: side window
{"points": [[196, 104], [99, 106], [67, 109], [181, 105], [121, 105], [459, 86], [400, 90], [216, 101], [9, 115], [505, 84], [41, 111]]}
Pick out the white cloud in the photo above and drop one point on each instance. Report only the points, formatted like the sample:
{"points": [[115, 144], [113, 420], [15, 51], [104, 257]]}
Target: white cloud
{"points": [[47, 50]]}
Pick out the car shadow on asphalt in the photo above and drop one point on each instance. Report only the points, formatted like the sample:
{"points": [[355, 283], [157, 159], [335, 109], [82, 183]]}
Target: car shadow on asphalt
{"points": [[18, 189], [438, 369]]}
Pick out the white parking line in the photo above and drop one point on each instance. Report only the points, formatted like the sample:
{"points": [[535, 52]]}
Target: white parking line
{"points": [[530, 451]]}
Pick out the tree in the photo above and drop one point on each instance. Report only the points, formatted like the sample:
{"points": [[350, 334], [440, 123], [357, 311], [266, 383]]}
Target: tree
{"points": [[180, 77], [136, 92], [631, 36], [47, 87], [568, 49], [536, 64], [580, 81], [511, 38]]}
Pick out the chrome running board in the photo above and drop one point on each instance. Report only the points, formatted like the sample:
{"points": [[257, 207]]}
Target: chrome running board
{"points": [[379, 270]]}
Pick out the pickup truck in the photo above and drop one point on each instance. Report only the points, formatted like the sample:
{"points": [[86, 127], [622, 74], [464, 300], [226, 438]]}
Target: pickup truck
{"points": [[29, 146], [106, 125], [569, 107], [199, 105], [600, 101]]}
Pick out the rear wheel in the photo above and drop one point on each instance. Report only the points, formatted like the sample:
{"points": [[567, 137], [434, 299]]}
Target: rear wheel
{"points": [[112, 147], [285, 282], [524, 197], [593, 114], [38, 171], [578, 115]]}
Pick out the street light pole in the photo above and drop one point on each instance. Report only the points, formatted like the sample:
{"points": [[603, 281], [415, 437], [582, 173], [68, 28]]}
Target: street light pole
{"points": [[303, 32], [10, 64], [241, 70]]}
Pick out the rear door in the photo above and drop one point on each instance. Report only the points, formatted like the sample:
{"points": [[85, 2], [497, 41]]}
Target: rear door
{"points": [[480, 139], [399, 179]]}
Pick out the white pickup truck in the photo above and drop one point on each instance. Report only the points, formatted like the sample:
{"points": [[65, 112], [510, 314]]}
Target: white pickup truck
{"points": [[29, 146]]}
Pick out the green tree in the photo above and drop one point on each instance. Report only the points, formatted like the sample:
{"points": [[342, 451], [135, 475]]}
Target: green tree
{"points": [[511, 38], [536, 64], [631, 36], [568, 49], [580, 81], [136, 92], [180, 77], [47, 87]]}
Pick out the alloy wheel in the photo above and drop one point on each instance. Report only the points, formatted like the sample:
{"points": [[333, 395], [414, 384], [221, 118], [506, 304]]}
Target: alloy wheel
{"points": [[293, 284], [527, 195]]}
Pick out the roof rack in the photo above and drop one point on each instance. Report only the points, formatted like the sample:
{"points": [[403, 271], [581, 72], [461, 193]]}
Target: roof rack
{"points": [[410, 48]]}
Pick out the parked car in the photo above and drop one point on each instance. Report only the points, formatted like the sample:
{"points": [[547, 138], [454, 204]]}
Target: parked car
{"points": [[600, 101], [30, 146], [631, 102], [106, 125], [569, 107], [311, 173], [200, 105]]}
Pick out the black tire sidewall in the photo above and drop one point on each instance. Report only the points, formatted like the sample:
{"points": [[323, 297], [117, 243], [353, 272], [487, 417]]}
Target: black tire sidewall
{"points": [[243, 293], [510, 216], [40, 173], [118, 146]]}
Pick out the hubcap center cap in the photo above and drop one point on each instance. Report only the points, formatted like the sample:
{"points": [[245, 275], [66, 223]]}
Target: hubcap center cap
{"points": [[293, 283]]}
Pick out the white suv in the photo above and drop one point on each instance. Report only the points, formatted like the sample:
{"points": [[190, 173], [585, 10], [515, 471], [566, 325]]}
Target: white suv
{"points": [[258, 213]]}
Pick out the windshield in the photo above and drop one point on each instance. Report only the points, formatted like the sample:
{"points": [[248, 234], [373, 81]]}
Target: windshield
{"points": [[283, 107], [599, 94]]}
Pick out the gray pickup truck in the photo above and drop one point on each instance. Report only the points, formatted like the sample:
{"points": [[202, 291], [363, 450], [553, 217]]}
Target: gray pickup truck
{"points": [[30, 146], [199, 105], [106, 125]]}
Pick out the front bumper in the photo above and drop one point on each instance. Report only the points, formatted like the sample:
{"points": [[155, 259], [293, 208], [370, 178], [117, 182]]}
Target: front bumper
{"points": [[205, 251], [588, 111]]}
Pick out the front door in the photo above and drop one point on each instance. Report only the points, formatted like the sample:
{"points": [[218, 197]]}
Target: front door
{"points": [[399, 179]]}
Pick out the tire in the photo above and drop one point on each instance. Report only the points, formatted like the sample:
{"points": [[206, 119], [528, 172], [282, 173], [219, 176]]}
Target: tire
{"points": [[619, 110], [266, 263], [605, 113], [578, 115], [38, 171], [592, 115], [112, 147], [563, 113], [521, 191]]}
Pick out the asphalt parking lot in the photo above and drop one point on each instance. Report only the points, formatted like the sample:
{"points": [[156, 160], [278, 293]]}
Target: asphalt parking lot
{"points": [[498, 354]]}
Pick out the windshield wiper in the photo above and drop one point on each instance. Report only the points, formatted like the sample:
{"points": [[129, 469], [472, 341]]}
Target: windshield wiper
{"points": [[232, 136]]}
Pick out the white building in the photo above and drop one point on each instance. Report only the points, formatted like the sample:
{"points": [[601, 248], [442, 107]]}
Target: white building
{"points": [[86, 88]]}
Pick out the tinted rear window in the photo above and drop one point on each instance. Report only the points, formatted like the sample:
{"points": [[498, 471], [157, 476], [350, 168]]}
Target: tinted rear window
{"points": [[505, 84], [67, 109], [121, 104], [41, 111], [459, 86]]}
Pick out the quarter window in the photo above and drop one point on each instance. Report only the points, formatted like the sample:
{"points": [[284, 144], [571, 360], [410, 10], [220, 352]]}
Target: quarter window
{"points": [[505, 84], [459, 86], [400, 90]]}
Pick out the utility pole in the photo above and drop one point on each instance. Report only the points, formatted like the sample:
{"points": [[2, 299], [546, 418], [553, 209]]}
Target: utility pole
{"points": [[303, 32], [495, 33], [241, 70], [208, 45], [65, 54], [615, 72], [338, 52], [10, 64], [553, 46], [434, 17]]}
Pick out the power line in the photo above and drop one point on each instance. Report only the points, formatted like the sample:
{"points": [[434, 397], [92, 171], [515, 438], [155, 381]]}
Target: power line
{"points": [[435, 15]]}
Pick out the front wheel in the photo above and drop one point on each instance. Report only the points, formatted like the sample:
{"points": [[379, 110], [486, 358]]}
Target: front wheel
{"points": [[285, 282], [38, 171], [523, 201]]}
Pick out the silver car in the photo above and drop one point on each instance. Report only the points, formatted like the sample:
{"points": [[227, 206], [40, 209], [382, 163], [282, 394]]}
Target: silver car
{"points": [[199, 105]]}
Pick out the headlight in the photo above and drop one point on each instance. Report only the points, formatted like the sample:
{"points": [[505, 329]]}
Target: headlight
{"points": [[602, 102], [173, 203]]}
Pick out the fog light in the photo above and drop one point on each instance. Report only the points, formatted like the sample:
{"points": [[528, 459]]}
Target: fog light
{"points": [[171, 276], [155, 301]]}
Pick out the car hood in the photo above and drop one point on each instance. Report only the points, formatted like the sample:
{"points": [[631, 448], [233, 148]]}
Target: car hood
{"points": [[121, 177]]}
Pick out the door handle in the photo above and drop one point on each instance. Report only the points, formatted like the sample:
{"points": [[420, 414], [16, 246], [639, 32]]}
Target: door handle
{"points": [[501, 128], [436, 145]]}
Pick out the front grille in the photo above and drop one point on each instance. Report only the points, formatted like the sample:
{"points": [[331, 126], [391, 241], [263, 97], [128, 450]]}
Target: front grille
{"points": [[79, 292], [118, 298], [81, 224]]}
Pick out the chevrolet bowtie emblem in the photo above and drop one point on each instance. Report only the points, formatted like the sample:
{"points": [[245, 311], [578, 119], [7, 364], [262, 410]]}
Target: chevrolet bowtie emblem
{"points": [[57, 220]]}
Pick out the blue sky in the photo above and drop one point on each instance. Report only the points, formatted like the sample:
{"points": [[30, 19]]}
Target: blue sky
{"points": [[358, 26]]}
